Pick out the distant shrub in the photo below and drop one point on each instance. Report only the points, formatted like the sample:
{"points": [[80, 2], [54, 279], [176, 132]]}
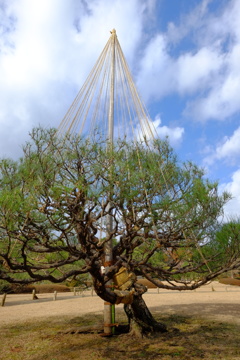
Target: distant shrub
{"points": [[230, 281], [39, 288], [50, 288], [147, 283]]}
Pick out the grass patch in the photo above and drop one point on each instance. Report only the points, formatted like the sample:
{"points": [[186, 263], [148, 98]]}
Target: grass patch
{"points": [[189, 338]]}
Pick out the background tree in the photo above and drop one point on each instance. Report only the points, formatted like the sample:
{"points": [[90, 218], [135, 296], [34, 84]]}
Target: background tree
{"points": [[225, 241], [54, 203]]}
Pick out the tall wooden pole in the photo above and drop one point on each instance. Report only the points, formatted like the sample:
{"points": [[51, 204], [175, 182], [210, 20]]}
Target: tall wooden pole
{"points": [[109, 309], [112, 86]]}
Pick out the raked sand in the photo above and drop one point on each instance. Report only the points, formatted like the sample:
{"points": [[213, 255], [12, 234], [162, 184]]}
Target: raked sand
{"points": [[216, 301]]}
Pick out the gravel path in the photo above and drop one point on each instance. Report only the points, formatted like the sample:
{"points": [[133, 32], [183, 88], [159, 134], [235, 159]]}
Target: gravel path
{"points": [[216, 300]]}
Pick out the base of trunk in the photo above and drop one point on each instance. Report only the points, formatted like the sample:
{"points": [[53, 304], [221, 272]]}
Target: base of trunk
{"points": [[141, 321], [95, 329]]}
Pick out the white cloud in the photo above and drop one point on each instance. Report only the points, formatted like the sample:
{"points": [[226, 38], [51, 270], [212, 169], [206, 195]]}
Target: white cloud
{"points": [[174, 134], [228, 150], [222, 33], [232, 208], [222, 101], [209, 67], [231, 146], [194, 71], [191, 72], [47, 49], [156, 69]]}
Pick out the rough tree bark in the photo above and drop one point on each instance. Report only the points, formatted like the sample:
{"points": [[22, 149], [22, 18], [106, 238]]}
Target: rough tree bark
{"points": [[141, 321]]}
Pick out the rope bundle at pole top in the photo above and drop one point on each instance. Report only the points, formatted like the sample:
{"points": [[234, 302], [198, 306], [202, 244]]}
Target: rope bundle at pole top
{"points": [[89, 111]]}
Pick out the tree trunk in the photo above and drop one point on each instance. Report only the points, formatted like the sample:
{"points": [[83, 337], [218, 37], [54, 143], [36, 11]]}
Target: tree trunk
{"points": [[141, 321]]}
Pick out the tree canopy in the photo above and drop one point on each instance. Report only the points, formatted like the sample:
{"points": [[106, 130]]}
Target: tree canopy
{"points": [[55, 199]]}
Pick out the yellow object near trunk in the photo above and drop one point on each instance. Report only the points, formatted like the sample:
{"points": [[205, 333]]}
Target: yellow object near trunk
{"points": [[124, 297], [123, 279]]}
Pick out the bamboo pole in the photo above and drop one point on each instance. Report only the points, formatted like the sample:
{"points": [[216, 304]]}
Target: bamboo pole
{"points": [[110, 308]]}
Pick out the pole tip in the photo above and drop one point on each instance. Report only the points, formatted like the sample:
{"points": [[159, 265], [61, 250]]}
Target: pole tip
{"points": [[113, 31]]}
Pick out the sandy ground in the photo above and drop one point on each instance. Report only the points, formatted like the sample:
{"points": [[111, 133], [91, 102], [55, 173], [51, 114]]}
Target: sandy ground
{"points": [[216, 301]]}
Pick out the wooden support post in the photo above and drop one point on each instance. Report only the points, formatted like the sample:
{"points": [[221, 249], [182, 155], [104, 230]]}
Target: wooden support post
{"points": [[74, 291], [108, 261], [3, 299], [34, 294], [55, 295]]}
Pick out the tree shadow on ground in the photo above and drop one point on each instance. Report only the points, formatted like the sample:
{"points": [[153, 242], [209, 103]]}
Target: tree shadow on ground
{"points": [[227, 311], [189, 337]]}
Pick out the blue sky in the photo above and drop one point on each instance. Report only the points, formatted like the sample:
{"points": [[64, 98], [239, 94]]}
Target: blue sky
{"points": [[184, 56]]}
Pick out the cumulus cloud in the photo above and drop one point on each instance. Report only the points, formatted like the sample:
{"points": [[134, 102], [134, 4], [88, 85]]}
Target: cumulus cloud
{"points": [[196, 70], [47, 49], [222, 33], [156, 68], [233, 187], [174, 134], [190, 73], [207, 68], [229, 150]]}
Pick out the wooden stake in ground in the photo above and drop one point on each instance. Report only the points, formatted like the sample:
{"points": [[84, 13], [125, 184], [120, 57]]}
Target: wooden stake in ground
{"points": [[3, 299], [34, 296]]}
